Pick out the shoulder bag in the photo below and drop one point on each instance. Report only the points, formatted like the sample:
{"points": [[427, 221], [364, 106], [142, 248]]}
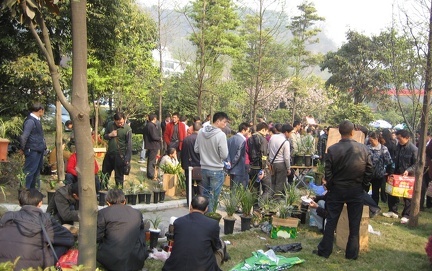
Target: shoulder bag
{"points": [[270, 165]]}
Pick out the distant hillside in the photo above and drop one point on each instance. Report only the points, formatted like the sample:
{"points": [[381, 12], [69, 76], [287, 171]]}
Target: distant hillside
{"points": [[176, 30]]}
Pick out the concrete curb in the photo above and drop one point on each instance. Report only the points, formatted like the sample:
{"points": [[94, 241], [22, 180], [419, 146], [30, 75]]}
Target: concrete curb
{"points": [[152, 207]]}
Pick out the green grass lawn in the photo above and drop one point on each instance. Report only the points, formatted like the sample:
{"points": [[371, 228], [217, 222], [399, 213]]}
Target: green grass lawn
{"points": [[397, 248]]}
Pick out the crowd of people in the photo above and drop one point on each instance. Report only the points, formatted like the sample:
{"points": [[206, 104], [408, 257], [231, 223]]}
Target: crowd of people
{"points": [[257, 157]]}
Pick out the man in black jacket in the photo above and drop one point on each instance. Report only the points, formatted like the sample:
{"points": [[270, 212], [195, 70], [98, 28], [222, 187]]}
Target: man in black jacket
{"points": [[348, 166], [33, 145], [120, 235], [64, 205], [21, 234], [405, 164], [152, 140], [197, 245], [189, 158]]}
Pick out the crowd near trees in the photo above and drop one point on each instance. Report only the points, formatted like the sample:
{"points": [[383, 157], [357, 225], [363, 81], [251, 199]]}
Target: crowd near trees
{"points": [[243, 63]]}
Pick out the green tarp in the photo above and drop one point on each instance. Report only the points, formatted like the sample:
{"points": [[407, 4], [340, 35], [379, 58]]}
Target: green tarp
{"points": [[263, 261]]}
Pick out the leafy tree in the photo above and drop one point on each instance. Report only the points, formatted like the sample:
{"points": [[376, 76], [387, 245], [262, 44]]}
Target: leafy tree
{"points": [[32, 15], [301, 59], [355, 70], [213, 24], [260, 69], [403, 63]]}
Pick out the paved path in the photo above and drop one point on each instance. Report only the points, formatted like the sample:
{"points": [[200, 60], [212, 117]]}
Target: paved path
{"points": [[165, 210]]}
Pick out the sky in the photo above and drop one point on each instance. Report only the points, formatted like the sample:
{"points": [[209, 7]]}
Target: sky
{"points": [[369, 17]]}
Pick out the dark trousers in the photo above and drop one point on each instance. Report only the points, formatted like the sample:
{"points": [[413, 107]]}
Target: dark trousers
{"points": [[425, 185], [32, 167], [336, 197], [393, 203], [279, 178], [151, 162], [377, 185], [114, 162], [262, 189], [69, 178]]}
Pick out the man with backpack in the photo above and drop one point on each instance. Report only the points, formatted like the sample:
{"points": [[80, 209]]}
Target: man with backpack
{"points": [[258, 152]]}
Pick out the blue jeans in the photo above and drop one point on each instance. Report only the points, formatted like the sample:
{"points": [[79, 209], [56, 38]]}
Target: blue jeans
{"points": [[32, 167], [212, 181]]}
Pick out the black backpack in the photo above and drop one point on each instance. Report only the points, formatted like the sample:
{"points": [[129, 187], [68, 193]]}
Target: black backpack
{"points": [[255, 154]]}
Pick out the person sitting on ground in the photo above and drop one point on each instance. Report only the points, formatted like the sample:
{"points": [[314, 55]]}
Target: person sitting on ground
{"points": [[21, 234], [120, 234], [72, 175], [170, 158], [197, 245], [64, 205]]}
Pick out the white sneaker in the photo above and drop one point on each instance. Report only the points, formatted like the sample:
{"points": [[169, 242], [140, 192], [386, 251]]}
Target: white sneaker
{"points": [[390, 214], [404, 220], [141, 161]]}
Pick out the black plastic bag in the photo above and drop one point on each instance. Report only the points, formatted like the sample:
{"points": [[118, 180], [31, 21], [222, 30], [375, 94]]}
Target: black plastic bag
{"points": [[294, 247]]}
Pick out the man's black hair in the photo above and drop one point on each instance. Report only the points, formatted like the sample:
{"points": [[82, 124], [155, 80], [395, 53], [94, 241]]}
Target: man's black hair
{"points": [[243, 126], [36, 107], [152, 117], [115, 196], [261, 125], [200, 203], [296, 122], [219, 116], [286, 128], [196, 118], [197, 126], [119, 116], [346, 127], [278, 127], [403, 133], [30, 196]]}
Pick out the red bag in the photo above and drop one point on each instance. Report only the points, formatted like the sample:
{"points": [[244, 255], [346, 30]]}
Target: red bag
{"points": [[69, 260]]}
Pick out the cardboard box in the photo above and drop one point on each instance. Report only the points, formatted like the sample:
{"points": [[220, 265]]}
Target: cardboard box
{"points": [[334, 136], [400, 186], [342, 229], [170, 182], [284, 227]]}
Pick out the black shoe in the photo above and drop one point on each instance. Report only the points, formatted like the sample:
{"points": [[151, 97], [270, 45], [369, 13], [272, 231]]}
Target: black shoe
{"points": [[315, 251], [374, 213]]}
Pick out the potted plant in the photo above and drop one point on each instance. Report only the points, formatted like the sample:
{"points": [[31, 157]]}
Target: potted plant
{"points": [[156, 191], [308, 147], [104, 183], [170, 178], [8, 128], [247, 200], [154, 231], [319, 173], [144, 194], [52, 185], [214, 215], [268, 207], [131, 193], [21, 176], [230, 201]]}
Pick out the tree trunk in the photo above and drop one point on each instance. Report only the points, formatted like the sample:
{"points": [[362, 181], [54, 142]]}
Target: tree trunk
{"points": [[59, 143], [85, 156], [415, 205]]}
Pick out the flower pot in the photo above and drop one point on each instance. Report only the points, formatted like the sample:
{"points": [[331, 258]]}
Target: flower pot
{"points": [[304, 208], [154, 236], [102, 196], [131, 199], [3, 149], [298, 160], [50, 195], [308, 160], [147, 198], [161, 196], [141, 197], [245, 222], [214, 215], [229, 225], [156, 196]]}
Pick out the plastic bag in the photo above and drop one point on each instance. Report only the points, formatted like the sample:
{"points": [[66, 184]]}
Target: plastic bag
{"points": [[159, 255]]}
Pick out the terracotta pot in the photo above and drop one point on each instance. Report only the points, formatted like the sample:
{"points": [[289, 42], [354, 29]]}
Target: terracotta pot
{"points": [[3, 149]]}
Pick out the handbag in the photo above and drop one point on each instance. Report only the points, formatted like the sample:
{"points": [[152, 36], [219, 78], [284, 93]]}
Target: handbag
{"points": [[196, 174], [57, 267]]}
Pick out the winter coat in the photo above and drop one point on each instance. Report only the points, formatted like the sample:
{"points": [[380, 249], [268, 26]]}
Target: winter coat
{"points": [[211, 144], [381, 160], [63, 206], [21, 235]]}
